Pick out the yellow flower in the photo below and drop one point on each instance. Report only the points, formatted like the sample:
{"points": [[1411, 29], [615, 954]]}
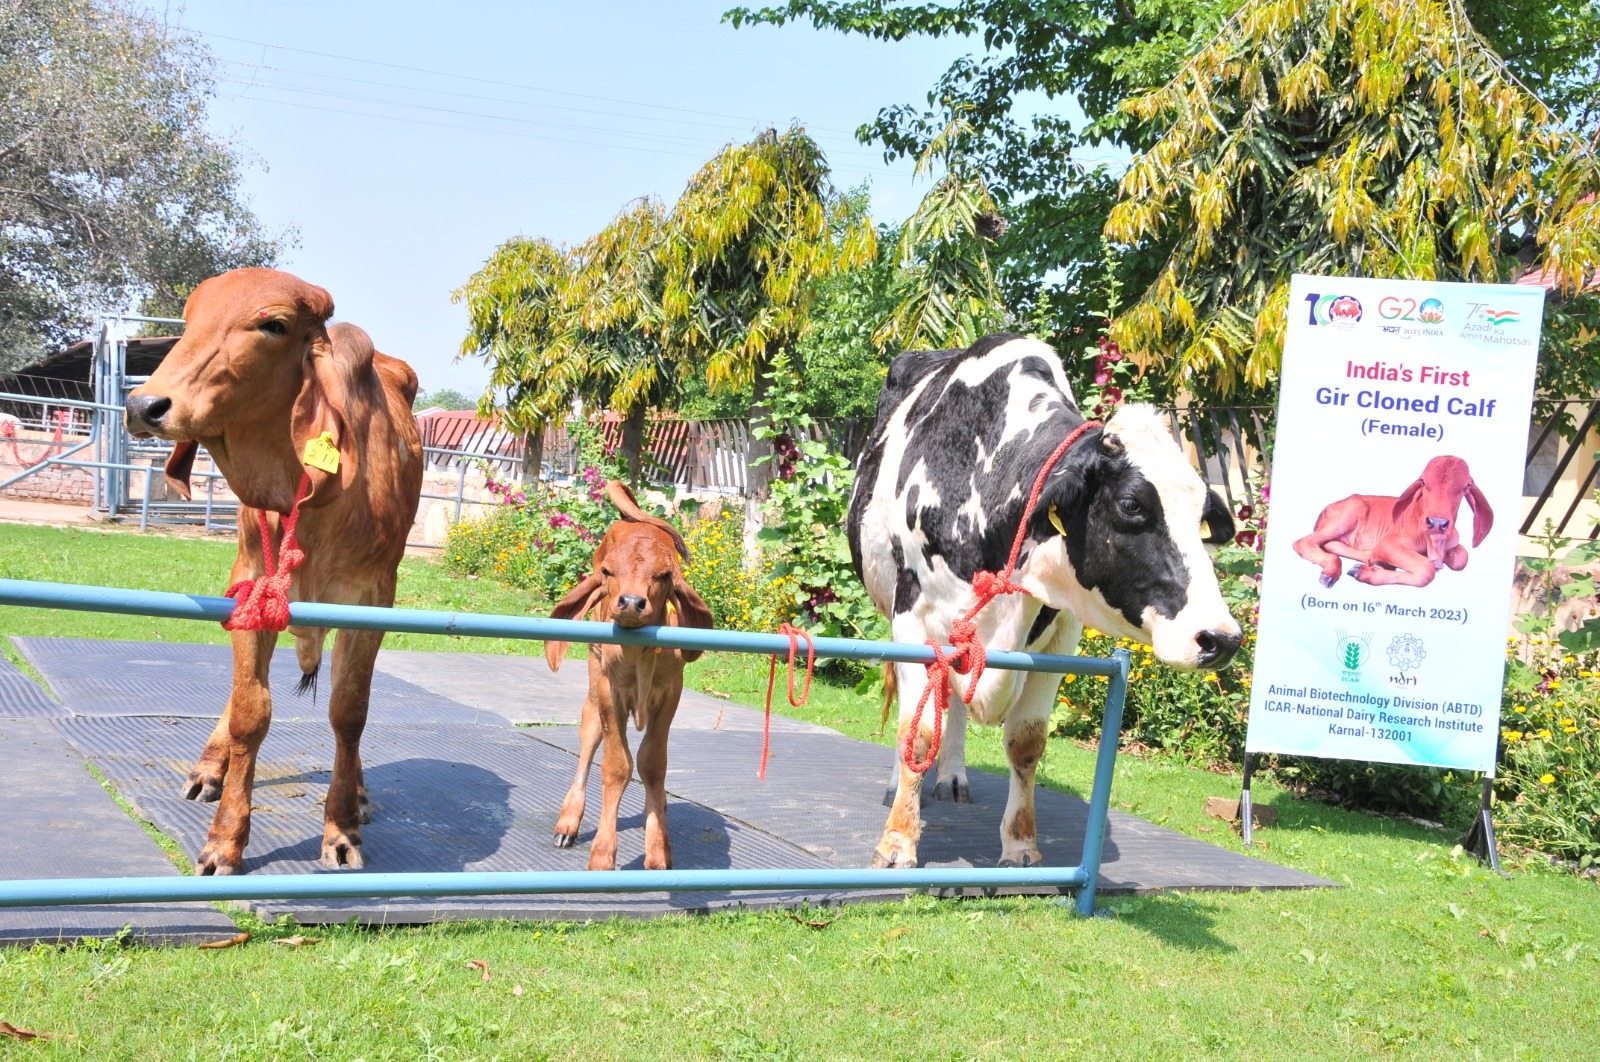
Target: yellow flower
{"points": [[1555, 684], [1569, 722], [1512, 735], [1520, 709], [1546, 779], [1544, 733]]}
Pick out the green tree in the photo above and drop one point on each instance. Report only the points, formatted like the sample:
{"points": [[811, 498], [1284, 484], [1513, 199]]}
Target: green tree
{"points": [[1366, 137], [444, 398], [112, 190], [518, 322], [615, 295], [745, 244], [944, 289], [1043, 94]]}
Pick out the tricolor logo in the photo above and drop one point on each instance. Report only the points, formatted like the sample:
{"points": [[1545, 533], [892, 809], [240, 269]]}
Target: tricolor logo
{"points": [[1501, 317]]}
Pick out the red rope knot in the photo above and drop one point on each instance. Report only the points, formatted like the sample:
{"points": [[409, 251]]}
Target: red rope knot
{"points": [[263, 603], [969, 656], [794, 634]]}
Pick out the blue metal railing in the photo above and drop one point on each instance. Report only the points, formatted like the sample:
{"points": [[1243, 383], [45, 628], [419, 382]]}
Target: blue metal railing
{"points": [[1083, 878]]}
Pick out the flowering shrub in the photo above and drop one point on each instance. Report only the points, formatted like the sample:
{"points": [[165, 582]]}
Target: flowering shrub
{"points": [[741, 596], [544, 541]]}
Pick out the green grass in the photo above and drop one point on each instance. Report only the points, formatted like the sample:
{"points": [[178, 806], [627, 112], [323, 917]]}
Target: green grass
{"points": [[1420, 953]]}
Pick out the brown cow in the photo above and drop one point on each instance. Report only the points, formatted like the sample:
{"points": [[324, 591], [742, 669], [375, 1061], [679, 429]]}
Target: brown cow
{"points": [[636, 581], [1402, 540], [256, 375]]}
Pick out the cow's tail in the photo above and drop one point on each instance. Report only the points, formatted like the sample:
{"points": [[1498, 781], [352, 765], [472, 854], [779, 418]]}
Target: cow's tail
{"points": [[890, 689]]}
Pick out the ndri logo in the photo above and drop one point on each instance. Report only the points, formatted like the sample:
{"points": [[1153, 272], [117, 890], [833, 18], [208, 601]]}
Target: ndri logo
{"points": [[1341, 311]]}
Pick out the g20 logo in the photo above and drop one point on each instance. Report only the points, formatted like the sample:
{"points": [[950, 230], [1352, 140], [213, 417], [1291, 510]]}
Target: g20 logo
{"points": [[1427, 311], [1341, 311]]}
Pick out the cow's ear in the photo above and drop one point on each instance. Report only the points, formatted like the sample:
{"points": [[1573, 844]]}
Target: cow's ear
{"points": [[1064, 499], [693, 610], [1217, 519], [1110, 445], [319, 424]]}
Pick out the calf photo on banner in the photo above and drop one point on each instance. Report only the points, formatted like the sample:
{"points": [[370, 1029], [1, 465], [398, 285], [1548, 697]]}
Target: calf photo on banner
{"points": [[1396, 493]]}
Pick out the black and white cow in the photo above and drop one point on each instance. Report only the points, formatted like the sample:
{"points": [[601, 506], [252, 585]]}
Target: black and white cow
{"points": [[940, 489]]}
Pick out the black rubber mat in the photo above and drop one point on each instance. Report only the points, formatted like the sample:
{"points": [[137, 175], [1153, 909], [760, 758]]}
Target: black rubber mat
{"points": [[56, 821], [523, 689], [181, 679], [444, 798], [830, 796], [21, 697]]}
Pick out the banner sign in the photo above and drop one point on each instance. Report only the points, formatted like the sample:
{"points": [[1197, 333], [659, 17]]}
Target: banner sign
{"points": [[1396, 492]]}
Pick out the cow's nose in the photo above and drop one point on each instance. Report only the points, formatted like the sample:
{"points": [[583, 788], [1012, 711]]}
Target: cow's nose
{"points": [[630, 603], [145, 412], [1217, 647], [1437, 523]]}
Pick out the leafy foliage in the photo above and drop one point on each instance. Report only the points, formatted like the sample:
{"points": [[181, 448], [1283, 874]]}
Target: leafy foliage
{"points": [[753, 230], [112, 190], [1342, 137], [945, 286], [805, 518], [742, 596]]}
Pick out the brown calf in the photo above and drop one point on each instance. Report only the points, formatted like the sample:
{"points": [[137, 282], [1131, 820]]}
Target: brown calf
{"points": [[256, 375], [1404, 539], [636, 581]]}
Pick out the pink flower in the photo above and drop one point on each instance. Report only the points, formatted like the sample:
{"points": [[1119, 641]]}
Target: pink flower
{"points": [[1113, 395], [1102, 378]]}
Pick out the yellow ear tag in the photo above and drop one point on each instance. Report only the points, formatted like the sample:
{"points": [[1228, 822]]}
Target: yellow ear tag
{"points": [[321, 454], [672, 610], [1055, 521]]}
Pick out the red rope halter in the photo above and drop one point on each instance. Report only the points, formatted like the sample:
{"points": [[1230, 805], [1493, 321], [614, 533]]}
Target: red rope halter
{"points": [[969, 656], [794, 635], [263, 604]]}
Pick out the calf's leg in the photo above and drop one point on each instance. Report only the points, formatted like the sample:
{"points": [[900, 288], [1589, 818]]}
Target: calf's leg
{"points": [[589, 734], [616, 769], [653, 772]]}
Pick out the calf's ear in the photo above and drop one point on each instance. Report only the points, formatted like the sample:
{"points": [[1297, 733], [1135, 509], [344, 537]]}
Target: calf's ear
{"points": [[1406, 498], [1482, 515], [692, 609], [579, 600]]}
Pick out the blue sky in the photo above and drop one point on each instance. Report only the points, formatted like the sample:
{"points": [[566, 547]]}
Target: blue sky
{"points": [[405, 141]]}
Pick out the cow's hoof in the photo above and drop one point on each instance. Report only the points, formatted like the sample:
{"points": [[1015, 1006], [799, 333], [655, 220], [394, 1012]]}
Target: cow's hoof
{"points": [[600, 861], [203, 786], [1026, 859], [1327, 580], [342, 851], [565, 840], [956, 790]]}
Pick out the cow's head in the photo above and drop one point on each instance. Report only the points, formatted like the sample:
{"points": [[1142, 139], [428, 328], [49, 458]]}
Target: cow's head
{"points": [[253, 378], [1124, 549], [1438, 493]]}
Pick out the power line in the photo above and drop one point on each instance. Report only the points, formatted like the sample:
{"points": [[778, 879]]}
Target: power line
{"points": [[700, 156], [330, 93], [493, 81]]}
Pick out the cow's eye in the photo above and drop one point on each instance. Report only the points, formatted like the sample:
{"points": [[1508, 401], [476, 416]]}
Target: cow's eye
{"points": [[274, 326], [1129, 507], [663, 576], [605, 573]]}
